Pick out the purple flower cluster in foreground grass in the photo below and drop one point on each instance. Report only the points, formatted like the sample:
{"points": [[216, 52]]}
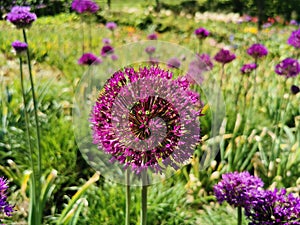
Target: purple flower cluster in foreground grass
{"points": [[19, 47], [288, 67], [262, 207], [89, 59], [5, 207], [248, 68], [84, 6], [257, 51], [224, 56], [142, 117], [201, 33], [236, 188], [294, 39], [21, 17]]}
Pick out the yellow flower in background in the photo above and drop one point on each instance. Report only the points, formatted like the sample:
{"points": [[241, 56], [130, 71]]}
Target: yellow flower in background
{"points": [[252, 30], [130, 29]]}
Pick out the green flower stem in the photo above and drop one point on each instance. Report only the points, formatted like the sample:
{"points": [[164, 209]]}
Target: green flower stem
{"points": [[37, 213], [127, 183], [239, 213], [144, 198], [33, 182]]}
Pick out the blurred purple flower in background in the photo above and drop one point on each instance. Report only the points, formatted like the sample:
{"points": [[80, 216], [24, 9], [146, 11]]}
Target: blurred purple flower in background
{"points": [[294, 39], [174, 63], [295, 89], [150, 50], [257, 51], [248, 68], [19, 47], [152, 36], [89, 59], [114, 57], [197, 67], [288, 67], [224, 56], [107, 50], [111, 26], [21, 17], [273, 207], [5, 207], [106, 41], [201, 33], [84, 6], [236, 188], [293, 22]]}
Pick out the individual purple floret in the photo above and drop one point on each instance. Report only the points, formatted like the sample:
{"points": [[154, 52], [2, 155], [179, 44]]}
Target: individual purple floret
{"points": [[111, 25], [257, 51], [84, 6], [224, 56], [273, 208], [201, 33], [19, 47], [294, 39], [248, 68], [89, 59], [295, 89], [288, 67], [21, 17], [5, 207], [143, 119], [150, 50], [174, 63], [152, 36], [107, 50], [236, 188]]}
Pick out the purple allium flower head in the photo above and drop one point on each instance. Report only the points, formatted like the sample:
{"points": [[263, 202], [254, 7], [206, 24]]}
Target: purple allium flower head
{"points": [[288, 67], [5, 207], [295, 89], [174, 63], [107, 50], [21, 17], [248, 68], [106, 41], [84, 6], [152, 36], [111, 25], [235, 188], [273, 207], [294, 39], [224, 56], [150, 50], [257, 51], [114, 57], [89, 59], [293, 22], [201, 33], [143, 118], [19, 47]]}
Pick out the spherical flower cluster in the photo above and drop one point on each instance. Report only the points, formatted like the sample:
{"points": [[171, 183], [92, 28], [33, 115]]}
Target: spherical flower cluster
{"points": [[257, 51], [5, 207], [197, 67], [111, 25], [150, 50], [152, 36], [273, 207], [19, 47], [143, 119], [84, 6], [89, 59], [248, 68], [107, 50], [224, 56], [201, 33], [294, 39], [106, 41], [288, 67], [21, 17], [205, 58], [174, 63], [236, 188]]}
